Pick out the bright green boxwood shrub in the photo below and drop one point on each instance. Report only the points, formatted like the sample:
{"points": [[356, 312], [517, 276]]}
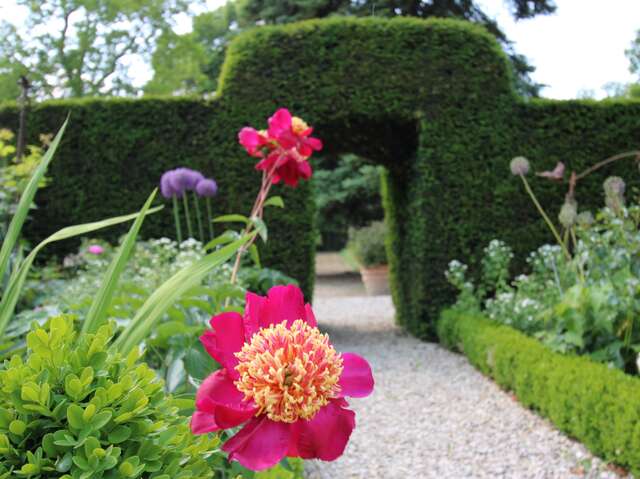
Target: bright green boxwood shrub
{"points": [[73, 410], [432, 101], [597, 405]]}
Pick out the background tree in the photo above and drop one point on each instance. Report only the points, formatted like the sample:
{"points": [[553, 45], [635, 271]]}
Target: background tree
{"points": [[191, 63], [213, 30], [633, 54], [79, 47]]}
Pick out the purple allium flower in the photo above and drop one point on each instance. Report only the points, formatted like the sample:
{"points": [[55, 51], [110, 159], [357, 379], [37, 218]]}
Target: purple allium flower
{"points": [[207, 187], [185, 179], [193, 178], [95, 249], [166, 186]]}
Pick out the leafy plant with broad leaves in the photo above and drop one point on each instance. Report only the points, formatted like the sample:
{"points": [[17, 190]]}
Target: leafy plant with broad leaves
{"points": [[367, 244], [74, 409], [588, 304]]}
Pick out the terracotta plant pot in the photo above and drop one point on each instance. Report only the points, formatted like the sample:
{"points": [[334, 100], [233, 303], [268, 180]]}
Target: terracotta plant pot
{"points": [[376, 280]]}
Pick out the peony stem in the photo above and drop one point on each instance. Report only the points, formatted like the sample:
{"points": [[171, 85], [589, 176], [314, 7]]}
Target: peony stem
{"points": [[256, 212], [176, 218]]}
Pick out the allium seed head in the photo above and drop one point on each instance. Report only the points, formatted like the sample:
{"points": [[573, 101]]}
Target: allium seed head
{"points": [[568, 214], [585, 219], [520, 166]]}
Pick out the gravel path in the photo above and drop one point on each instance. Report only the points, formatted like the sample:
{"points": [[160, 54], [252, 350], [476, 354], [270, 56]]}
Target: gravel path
{"points": [[432, 415]]}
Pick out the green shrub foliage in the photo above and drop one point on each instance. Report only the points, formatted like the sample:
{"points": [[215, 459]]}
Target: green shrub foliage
{"points": [[432, 101], [367, 244], [73, 410], [587, 400]]}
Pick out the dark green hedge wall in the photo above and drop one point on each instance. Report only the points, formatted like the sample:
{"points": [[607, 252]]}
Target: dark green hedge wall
{"points": [[115, 151], [431, 100], [587, 400]]}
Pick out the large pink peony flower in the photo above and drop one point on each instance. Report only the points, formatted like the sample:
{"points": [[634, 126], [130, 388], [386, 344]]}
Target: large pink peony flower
{"points": [[282, 379]]}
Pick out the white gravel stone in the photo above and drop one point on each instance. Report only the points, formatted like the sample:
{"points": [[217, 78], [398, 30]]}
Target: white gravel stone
{"points": [[432, 415]]}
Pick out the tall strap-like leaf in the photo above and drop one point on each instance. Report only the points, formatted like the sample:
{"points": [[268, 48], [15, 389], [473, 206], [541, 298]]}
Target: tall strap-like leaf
{"points": [[163, 297], [15, 227], [104, 295], [11, 295]]}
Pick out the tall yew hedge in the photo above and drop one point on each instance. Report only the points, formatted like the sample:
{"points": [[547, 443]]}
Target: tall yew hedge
{"points": [[431, 100]]}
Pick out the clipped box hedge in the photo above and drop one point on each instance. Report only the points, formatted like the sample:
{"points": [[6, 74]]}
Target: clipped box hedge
{"points": [[597, 405], [432, 101]]}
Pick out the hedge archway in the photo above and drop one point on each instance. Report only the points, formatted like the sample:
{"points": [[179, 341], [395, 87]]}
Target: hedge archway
{"points": [[431, 100]]}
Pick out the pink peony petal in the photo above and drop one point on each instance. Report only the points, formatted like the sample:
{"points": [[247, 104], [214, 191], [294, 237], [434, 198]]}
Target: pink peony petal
{"points": [[226, 339], [283, 303], [287, 139], [305, 169], [251, 140], [309, 317], [262, 443], [290, 172], [203, 422], [280, 122], [325, 436], [219, 404], [356, 379], [218, 390], [253, 311], [314, 143]]}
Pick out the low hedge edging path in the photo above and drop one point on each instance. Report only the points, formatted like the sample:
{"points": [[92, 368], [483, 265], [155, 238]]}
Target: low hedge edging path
{"points": [[432, 415]]}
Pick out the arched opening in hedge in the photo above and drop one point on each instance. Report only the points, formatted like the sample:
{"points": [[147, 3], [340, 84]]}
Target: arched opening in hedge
{"points": [[432, 101]]}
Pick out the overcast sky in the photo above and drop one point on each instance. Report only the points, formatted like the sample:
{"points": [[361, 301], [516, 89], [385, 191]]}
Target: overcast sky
{"points": [[579, 48]]}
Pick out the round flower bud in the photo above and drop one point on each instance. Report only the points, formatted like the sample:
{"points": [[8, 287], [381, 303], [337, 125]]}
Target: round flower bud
{"points": [[568, 214], [519, 165], [207, 188], [614, 186], [585, 219], [95, 249]]}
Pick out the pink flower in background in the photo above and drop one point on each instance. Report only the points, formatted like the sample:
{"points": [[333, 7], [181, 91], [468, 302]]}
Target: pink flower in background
{"points": [[557, 174], [284, 147], [282, 379], [95, 249], [253, 140], [292, 132], [286, 167]]}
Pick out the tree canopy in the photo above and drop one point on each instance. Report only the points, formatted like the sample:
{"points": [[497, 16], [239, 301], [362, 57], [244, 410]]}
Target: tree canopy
{"points": [[75, 48], [213, 30]]}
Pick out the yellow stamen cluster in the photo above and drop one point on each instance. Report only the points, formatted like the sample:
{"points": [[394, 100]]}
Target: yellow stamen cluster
{"points": [[289, 373], [298, 125]]}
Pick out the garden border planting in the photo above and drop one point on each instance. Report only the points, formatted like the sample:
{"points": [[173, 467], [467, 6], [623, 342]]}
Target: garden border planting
{"points": [[432, 101], [597, 405]]}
